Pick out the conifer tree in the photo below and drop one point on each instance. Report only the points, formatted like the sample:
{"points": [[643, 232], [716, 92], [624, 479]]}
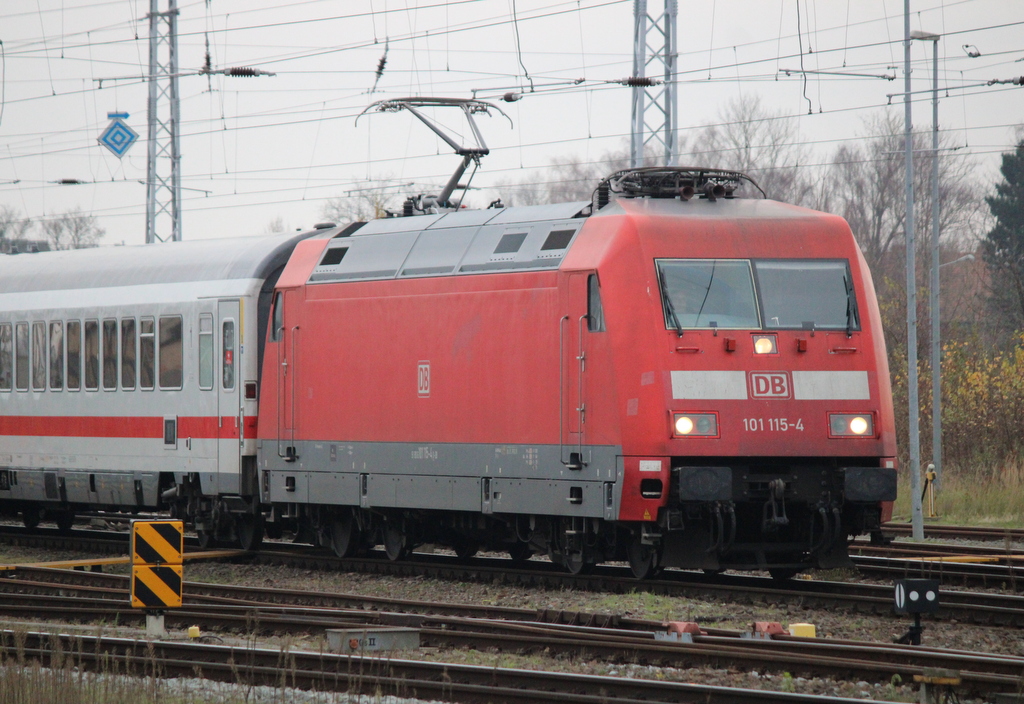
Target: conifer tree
{"points": [[1004, 245]]}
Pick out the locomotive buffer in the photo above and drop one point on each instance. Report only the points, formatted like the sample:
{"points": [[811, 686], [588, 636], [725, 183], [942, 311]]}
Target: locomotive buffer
{"points": [[157, 550]]}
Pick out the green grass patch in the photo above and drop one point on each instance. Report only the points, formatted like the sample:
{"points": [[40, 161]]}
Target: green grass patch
{"points": [[970, 496]]}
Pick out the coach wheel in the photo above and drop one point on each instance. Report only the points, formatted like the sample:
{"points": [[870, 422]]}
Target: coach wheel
{"points": [[207, 539], [520, 551], [64, 521], [250, 531], [31, 516], [643, 559], [395, 543], [345, 536], [466, 548]]}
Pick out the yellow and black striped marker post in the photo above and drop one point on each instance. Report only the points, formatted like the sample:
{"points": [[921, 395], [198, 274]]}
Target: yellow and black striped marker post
{"points": [[157, 548], [156, 586]]}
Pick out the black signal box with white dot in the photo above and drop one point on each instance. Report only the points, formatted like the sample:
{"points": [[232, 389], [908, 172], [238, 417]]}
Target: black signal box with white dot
{"points": [[917, 596]]}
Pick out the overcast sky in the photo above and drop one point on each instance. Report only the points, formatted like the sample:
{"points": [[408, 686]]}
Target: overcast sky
{"points": [[258, 149]]}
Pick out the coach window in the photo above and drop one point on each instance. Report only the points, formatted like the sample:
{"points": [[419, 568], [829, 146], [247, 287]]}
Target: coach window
{"points": [[595, 311], [21, 356], [275, 333], [92, 355], [74, 344], [56, 355], [6, 357], [228, 371], [39, 356], [205, 351], [110, 354], [147, 354], [128, 353], [170, 352]]}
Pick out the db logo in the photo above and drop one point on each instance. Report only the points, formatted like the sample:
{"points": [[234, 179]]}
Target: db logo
{"points": [[769, 385], [423, 379]]}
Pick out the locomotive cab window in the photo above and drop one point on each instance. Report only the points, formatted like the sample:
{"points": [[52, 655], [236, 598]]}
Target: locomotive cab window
{"points": [[6, 357], [74, 345], [806, 294], [595, 311], [707, 293], [56, 355], [170, 352]]}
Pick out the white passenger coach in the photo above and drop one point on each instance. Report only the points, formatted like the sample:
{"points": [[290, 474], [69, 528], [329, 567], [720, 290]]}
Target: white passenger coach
{"points": [[129, 378]]}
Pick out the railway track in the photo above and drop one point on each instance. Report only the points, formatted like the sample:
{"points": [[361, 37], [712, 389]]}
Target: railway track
{"points": [[969, 607], [327, 672], [962, 532], [45, 593]]}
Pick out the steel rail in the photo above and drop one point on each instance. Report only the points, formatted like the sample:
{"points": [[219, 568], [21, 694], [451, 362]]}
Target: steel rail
{"points": [[980, 673], [373, 675]]}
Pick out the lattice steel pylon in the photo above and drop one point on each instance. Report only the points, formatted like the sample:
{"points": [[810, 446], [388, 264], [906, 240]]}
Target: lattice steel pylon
{"points": [[163, 182], [655, 107]]}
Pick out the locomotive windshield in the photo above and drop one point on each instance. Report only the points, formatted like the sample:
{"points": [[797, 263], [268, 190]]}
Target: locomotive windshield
{"points": [[771, 294]]}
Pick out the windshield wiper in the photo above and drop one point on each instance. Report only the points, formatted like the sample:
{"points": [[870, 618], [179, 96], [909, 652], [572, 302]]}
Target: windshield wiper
{"points": [[668, 303], [851, 306], [707, 292]]}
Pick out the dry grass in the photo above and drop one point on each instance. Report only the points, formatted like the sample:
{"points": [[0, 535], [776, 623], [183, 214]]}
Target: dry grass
{"points": [[974, 497]]}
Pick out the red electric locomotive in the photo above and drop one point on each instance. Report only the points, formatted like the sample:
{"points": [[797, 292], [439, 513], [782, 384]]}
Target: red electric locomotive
{"points": [[669, 375]]}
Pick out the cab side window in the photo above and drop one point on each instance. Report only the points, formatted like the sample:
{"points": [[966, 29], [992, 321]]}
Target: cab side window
{"points": [[278, 319], [595, 311]]}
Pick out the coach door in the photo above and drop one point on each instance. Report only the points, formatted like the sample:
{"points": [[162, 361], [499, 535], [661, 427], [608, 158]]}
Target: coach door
{"points": [[573, 396], [231, 422]]}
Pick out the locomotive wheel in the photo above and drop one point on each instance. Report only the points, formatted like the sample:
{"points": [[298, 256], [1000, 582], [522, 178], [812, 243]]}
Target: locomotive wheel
{"points": [[250, 531], [64, 520], [31, 516], [520, 552], [345, 536], [643, 559], [395, 542], [466, 548]]}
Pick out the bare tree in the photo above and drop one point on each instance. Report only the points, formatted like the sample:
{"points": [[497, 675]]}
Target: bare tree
{"points": [[365, 204], [865, 184], [12, 225], [274, 226], [72, 229], [566, 179], [762, 144]]}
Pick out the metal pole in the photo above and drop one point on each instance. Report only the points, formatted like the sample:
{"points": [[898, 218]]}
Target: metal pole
{"points": [[916, 515], [936, 318], [154, 30], [636, 143], [671, 84]]}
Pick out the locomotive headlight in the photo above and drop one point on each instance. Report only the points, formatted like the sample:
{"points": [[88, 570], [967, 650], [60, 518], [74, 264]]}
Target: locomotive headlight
{"points": [[851, 424], [765, 344], [694, 424]]}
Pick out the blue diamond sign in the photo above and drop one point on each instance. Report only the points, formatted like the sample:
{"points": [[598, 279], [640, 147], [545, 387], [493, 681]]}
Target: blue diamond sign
{"points": [[118, 137]]}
